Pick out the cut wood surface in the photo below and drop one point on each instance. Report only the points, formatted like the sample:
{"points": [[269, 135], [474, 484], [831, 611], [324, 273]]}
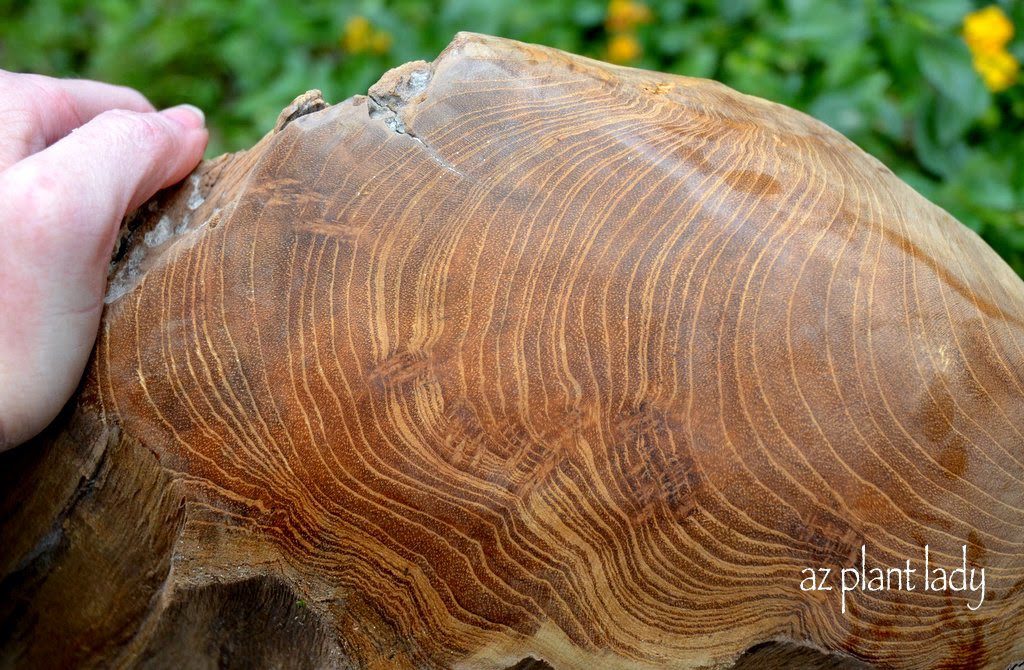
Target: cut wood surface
{"points": [[529, 361]]}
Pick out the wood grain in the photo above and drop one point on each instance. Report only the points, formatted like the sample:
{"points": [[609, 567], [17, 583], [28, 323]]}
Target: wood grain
{"points": [[525, 358]]}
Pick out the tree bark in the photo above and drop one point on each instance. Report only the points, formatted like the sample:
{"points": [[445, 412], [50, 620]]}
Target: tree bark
{"points": [[529, 361]]}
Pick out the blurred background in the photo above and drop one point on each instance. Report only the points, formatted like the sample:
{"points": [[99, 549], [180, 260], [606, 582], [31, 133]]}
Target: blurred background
{"points": [[930, 87]]}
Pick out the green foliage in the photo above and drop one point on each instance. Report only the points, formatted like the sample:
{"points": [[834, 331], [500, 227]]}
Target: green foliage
{"points": [[893, 75]]}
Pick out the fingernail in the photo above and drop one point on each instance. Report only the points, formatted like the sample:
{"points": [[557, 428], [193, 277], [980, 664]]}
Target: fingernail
{"points": [[189, 116]]}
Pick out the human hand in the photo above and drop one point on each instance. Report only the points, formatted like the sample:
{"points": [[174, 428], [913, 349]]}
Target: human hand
{"points": [[75, 156]]}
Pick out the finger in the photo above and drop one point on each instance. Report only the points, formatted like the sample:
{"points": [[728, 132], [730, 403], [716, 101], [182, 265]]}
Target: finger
{"points": [[81, 186], [62, 210], [67, 201], [36, 111]]}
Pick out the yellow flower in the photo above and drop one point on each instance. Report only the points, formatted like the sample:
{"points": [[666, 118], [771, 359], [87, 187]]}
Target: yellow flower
{"points": [[998, 69], [623, 48], [624, 15], [987, 30], [357, 34]]}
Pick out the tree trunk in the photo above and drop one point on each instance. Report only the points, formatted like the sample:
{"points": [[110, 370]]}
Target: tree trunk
{"points": [[528, 361]]}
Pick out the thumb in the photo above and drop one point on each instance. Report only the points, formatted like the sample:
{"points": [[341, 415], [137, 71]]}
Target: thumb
{"points": [[62, 209]]}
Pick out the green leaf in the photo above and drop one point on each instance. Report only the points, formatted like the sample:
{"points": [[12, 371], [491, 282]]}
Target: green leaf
{"points": [[942, 160], [946, 64], [701, 61], [943, 14]]}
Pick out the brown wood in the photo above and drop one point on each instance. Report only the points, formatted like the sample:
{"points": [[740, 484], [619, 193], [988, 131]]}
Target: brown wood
{"points": [[526, 360]]}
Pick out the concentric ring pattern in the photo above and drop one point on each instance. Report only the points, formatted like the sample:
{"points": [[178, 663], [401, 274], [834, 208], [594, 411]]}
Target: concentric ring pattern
{"points": [[524, 354]]}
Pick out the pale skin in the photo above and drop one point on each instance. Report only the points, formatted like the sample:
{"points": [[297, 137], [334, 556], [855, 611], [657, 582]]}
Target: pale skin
{"points": [[75, 156]]}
